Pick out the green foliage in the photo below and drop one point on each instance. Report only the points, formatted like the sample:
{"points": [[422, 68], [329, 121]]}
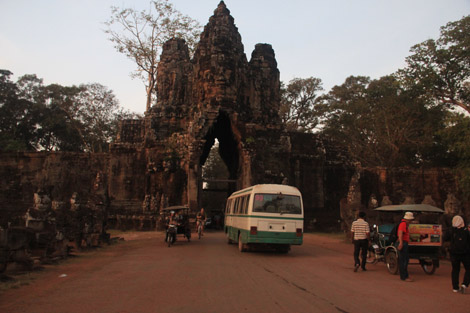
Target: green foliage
{"points": [[299, 101], [381, 123], [37, 117], [456, 137], [214, 168], [442, 67], [141, 35], [249, 140], [18, 117]]}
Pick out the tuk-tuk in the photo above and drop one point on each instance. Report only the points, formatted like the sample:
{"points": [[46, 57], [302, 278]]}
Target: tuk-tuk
{"points": [[425, 238], [182, 227]]}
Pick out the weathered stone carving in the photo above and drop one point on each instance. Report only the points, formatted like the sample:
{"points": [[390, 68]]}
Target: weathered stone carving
{"points": [[452, 205], [386, 201], [157, 161], [429, 200]]}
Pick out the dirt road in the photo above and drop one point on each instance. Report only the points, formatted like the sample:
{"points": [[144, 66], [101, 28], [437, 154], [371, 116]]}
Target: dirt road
{"points": [[208, 275]]}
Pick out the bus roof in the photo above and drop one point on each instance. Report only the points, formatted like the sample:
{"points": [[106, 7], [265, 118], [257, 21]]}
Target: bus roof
{"points": [[268, 188]]}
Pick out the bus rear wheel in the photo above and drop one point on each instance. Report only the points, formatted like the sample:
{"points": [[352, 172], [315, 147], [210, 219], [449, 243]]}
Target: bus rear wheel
{"points": [[283, 249], [241, 245]]}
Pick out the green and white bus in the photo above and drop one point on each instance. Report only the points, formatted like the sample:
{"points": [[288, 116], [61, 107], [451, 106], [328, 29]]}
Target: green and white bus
{"points": [[268, 214]]}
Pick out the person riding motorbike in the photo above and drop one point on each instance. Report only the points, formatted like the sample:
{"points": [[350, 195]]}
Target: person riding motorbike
{"points": [[171, 220]]}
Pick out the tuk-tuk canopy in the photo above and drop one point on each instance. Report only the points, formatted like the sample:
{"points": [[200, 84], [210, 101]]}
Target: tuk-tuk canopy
{"points": [[175, 208], [425, 208]]}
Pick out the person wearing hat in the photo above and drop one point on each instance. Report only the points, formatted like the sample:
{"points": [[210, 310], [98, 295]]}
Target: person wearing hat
{"points": [[459, 237], [403, 240]]}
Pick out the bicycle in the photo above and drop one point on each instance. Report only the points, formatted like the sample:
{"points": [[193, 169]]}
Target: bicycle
{"points": [[199, 228]]}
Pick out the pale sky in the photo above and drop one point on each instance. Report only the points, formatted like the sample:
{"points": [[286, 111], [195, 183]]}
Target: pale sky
{"points": [[62, 41]]}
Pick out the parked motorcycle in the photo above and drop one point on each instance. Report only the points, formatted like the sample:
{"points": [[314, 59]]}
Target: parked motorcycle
{"points": [[171, 234]]}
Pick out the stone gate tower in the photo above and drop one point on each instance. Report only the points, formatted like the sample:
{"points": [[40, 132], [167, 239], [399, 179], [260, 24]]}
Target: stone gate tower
{"points": [[217, 94]]}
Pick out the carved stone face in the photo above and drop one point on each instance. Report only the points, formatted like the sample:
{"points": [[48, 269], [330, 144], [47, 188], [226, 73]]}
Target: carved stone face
{"points": [[41, 201], [452, 205], [74, 201]]}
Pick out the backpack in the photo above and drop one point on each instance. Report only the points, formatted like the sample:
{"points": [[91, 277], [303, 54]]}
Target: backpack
{"points": [[459, 243], [394, 234]]}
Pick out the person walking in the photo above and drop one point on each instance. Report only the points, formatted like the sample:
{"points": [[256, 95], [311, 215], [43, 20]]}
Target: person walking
{"points": [[459, 237], [360, 237], [201, 220], [403, 241]]}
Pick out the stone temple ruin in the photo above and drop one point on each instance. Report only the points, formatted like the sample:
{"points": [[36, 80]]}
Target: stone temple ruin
{"points": [[157, 161]]}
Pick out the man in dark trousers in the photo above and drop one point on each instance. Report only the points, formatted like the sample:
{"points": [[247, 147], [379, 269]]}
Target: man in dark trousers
{"points": [[459, 237], [360, 237], [403, 240]]}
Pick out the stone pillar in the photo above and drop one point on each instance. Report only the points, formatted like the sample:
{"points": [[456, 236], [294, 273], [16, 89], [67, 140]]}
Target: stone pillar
{"points": [[245, 170], [193, 187]]}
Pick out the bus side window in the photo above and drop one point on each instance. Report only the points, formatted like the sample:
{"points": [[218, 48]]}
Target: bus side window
{"points": [[235, 209], [245, 205]]}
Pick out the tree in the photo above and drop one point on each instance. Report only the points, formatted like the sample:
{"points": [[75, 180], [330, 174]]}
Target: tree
{"points": [[96, 107], [19, 117], [92, 110], [381, 123], [214, 168], [299, 103], [456, 136], [141, 35], [442, 67], [54, 117]]}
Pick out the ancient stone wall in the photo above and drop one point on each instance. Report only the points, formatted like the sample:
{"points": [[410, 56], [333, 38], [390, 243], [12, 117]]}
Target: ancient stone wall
{"points": [[54, 176], [370, 188], [216, 95]]}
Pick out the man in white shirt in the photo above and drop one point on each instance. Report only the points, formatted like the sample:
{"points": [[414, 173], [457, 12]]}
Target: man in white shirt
{"points": [[360, 237]]}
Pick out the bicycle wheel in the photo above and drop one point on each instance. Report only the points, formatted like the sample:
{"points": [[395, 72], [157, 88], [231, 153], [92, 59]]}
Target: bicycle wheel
{"points": [[371, 258], [391, 259]]}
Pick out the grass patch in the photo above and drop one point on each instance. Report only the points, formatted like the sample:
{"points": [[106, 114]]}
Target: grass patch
{"points": [[16, 281]]}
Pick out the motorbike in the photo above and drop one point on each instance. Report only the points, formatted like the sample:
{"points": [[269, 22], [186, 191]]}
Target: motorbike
{"points": [[182, 226], [381, 250], [171, 234]]}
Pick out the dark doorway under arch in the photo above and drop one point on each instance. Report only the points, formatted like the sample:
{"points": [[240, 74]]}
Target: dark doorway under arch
{"points": [[213, 192], [228, 146]]}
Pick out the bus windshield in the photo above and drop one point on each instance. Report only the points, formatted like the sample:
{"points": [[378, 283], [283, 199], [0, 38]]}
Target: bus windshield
{"points": [[277, 203]]}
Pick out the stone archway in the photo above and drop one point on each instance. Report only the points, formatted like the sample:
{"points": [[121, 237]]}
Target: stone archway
{"points": [[228, 145], [230, 150], [224, 182]]}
